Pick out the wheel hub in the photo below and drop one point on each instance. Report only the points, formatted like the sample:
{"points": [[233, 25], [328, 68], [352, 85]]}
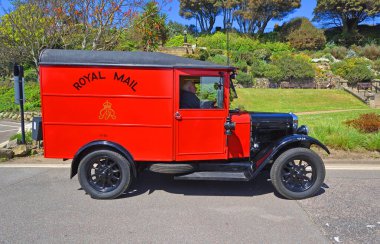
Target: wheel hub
{"points": [[295, 176], [104, 174]]}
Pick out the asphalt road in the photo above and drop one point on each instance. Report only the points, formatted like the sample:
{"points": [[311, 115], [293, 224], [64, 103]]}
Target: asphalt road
{"points": [[42, 205], [7, 129]]}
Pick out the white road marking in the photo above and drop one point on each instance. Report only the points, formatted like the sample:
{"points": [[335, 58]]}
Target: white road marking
{"points": [[8, 130], [11, 122], [68, 165], [14, 126], [353, 167], [10, 165]]}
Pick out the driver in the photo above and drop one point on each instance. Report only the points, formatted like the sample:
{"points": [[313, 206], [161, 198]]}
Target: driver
{"points": [[188, 99]]}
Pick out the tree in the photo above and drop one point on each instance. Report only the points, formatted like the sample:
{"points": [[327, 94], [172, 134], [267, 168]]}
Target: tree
{"points": [[151, 27], [346, 13], [97, 24], [28, 29], [273, 9], [253, 16], [302, 34], [204, 12], [87, 24], [175, 28], [228, 8]]}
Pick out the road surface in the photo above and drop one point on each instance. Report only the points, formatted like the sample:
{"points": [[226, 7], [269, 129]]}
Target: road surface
{"points": [[43, 205], [7, 129]]}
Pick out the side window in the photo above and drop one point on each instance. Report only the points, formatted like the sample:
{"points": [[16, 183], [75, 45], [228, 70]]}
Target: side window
{"points": [[201, 92]]}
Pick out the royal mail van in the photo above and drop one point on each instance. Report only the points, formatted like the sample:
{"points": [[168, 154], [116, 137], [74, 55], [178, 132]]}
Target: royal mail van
{"points": [[117, 113]]}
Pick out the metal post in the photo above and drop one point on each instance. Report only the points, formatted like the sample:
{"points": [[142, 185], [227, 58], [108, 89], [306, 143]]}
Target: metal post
{"points": [[196, 33], [228, 44], [19, 74], [184, 37]]}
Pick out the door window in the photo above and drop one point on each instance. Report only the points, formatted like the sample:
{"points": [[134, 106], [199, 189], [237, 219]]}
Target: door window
{"points": [[201, 92]]}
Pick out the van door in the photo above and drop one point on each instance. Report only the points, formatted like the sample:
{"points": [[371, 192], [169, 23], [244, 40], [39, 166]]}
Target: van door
{"points": [[199, 121]]}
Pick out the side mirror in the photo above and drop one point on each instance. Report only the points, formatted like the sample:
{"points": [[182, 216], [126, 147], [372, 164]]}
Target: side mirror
{"points": [[218, 86]]}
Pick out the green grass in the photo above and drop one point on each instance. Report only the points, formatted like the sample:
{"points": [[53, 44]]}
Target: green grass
{"points": [[18, 136], [330, 129], [295, 100]]}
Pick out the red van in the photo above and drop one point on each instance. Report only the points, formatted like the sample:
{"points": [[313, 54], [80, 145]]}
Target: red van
{"points": [[117, 113]]}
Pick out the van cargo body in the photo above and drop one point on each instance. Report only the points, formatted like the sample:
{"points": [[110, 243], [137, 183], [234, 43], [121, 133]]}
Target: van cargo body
{"points": [[96, 96]]}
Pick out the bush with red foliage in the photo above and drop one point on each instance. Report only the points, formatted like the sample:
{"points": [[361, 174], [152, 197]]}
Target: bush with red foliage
{"points": [[366, 123]]}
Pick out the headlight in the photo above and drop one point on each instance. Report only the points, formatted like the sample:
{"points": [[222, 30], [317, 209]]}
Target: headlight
{"points": [[303, 130], [295, 122]]}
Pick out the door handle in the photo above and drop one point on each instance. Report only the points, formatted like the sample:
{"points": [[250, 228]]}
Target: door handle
{"points": [[177, 116]]}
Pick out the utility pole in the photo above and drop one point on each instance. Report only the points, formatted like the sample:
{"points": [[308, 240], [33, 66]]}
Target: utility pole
{"points": [[228, 43]]}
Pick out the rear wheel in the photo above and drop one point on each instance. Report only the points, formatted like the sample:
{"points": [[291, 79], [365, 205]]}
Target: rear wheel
{"points": [[104, 174], [298, 173]]}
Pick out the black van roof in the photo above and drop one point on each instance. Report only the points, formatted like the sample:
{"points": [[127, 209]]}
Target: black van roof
{"points": [[119, 58]]}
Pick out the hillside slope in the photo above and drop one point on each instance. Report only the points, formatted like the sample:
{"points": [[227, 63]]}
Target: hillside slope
{"points": [[295, 100]]}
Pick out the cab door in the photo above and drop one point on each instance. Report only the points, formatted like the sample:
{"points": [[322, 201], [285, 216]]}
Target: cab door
{"points": [[199, 132]]}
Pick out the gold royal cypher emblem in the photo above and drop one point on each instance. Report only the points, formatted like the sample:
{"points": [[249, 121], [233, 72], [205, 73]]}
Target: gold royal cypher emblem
{"points": [[107, 112]]}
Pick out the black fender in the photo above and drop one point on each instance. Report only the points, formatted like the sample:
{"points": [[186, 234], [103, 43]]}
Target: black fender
{"points": [[99, 145], [275, 149]]}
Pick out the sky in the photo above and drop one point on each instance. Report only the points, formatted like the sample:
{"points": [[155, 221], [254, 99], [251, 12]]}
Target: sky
{"points": [[172, 11]]}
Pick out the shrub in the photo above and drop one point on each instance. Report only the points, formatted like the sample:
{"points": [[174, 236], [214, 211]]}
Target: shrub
{"points": [[273, 72], [339, 52], [244, 79], [366, 123], [218, 59], [303, 35], [262, 54], [259, 68], [32, 97], [354, 70], [239, 56], [243, 43], [276, 47], [294, 68], [177, 41], [348, 39], [199, 54], [202, 54], [242, 66], [240, 43], [30, 75], [214, 52], [18, 136], [369, 51], [376, 65], [351, 54]]}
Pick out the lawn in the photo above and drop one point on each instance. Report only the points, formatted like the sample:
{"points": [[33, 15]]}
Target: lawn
{"points": [[330, 129], [295, 100]]}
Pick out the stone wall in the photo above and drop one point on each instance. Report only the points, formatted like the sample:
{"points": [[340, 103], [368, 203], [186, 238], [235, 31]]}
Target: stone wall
{"points": [[28, 116]]}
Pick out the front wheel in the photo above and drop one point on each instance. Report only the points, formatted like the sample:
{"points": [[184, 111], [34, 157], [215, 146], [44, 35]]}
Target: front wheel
{"points": [[104, 174], [298, 173]]}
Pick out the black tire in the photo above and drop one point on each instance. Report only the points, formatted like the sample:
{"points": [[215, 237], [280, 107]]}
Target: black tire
{"points": [[298, 181], [104, 174]]}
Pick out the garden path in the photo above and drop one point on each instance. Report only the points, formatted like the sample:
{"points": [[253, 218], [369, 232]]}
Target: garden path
{"points": [[331, 111]]}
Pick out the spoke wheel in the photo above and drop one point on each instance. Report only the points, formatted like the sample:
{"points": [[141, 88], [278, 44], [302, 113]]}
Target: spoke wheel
{"points": [[104, 174], [298, 173]]}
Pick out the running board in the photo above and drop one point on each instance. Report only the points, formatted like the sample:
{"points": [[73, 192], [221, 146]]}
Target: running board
{"points": [[215, 175]]}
